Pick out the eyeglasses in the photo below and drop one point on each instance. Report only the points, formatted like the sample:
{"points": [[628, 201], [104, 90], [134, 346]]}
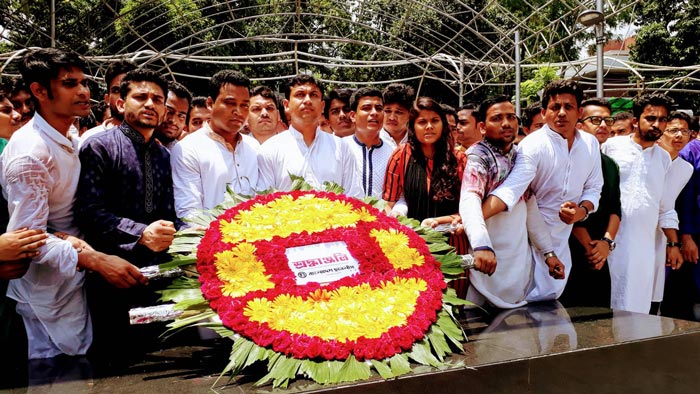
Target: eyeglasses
{"points": [[682, 131], [597, 120]]}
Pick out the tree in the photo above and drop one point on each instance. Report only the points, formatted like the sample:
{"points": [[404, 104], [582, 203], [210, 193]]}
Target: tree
{"points": [[668, 37]]}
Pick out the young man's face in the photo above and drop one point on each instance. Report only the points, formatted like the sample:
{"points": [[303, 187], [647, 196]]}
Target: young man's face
{"points": [[229, 111], [23, 103], [143, 106], [9, 118], [69, 95], [305, 104], [537, 122], [652, 122], [593, 114], [676, 136], [176, 109], [562, 113], [369, 116], [467, 131], [263, 115], [113, 95], [396, 118], [198, 115], [500, 125], [340, 119]]}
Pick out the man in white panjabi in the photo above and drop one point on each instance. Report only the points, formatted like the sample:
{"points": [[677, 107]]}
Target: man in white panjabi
{"points": [[217, 156], [562, 167], [506, 283], [39, 173], [371, 153], [304, 150], [644, 168]]}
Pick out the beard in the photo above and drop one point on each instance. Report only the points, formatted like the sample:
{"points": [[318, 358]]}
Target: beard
{"points": [[651, 134]]}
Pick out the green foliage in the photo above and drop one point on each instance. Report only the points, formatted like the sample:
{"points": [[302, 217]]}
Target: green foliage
{"points": [[668, 37], [530, 89]]}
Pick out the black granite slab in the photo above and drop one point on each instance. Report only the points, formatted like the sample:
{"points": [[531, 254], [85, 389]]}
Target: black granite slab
{"points": [[539, 348]]}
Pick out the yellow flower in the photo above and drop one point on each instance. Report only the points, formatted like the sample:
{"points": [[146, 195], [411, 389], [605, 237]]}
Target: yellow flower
{"points": [[394, 244], [285, 215], [346, 313], [241, 271]]}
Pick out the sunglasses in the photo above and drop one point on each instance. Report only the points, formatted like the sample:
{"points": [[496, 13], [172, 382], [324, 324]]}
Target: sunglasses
{"points": [[597, 120]]}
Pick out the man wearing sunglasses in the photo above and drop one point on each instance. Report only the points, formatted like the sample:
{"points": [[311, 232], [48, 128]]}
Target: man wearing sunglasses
{"points": [[592, 240], [644, 168]]}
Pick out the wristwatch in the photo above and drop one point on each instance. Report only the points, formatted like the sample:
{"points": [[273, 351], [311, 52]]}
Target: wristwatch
{"points": [[610, 242], [549, 254], [673, 244]]}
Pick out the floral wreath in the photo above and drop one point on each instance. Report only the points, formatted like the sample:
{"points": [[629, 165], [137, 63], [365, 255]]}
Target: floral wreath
{"points": [[390, 306]]}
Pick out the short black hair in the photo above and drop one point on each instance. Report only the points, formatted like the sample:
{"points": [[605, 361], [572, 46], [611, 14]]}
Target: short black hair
{"points": [[342, 94], [449, 110], [43, 64], [695, 123], [265, 92], [563, 86], [680, 115], [598, 102], [301, 79], [142, 75], [180, 91], [623, 116], [480, 114], [223, 77], [6, 89], [119, 67], [17, 85], [98, 111], [655, 99], [398, 93], [531, 111], [199, 102], [280, 108], [363, 92]]}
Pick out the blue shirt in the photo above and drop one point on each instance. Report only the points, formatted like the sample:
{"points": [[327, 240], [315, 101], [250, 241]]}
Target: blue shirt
{"points": [[688, 202], [125, 184]]}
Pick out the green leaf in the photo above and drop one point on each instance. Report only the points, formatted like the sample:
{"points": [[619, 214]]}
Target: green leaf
{"points": [[281, 372], [179, 260], [383, 369], [333, 187], [181, 295], [439, 247], [257, 353], [399, 364], [299, 183], [437, 340], [420, 353], [353, 370], [452, 299]]}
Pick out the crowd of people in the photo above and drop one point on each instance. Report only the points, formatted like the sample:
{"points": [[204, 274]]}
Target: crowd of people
{"points": [[569, 203]]}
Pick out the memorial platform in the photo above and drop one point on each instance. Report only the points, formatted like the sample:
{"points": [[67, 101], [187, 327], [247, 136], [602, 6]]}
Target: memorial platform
{"points": [[539, 348]]}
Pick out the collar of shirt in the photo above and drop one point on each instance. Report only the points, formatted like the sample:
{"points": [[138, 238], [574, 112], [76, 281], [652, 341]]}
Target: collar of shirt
{"points": [[379, 145], [68, 144], [135, 136], [299, 137], [498, 150], [216, 137]]}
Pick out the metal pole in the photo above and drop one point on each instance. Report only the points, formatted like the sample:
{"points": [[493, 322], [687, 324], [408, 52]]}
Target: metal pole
{"points": [[461, 80], [600, 41], [53, 23], [517, 72]]}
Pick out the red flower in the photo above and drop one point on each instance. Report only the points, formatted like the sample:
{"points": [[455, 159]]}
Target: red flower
{"points": [[374, 267]]}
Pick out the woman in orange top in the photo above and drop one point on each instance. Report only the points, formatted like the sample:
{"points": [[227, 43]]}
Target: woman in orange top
{"points": [[424, 175]]}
